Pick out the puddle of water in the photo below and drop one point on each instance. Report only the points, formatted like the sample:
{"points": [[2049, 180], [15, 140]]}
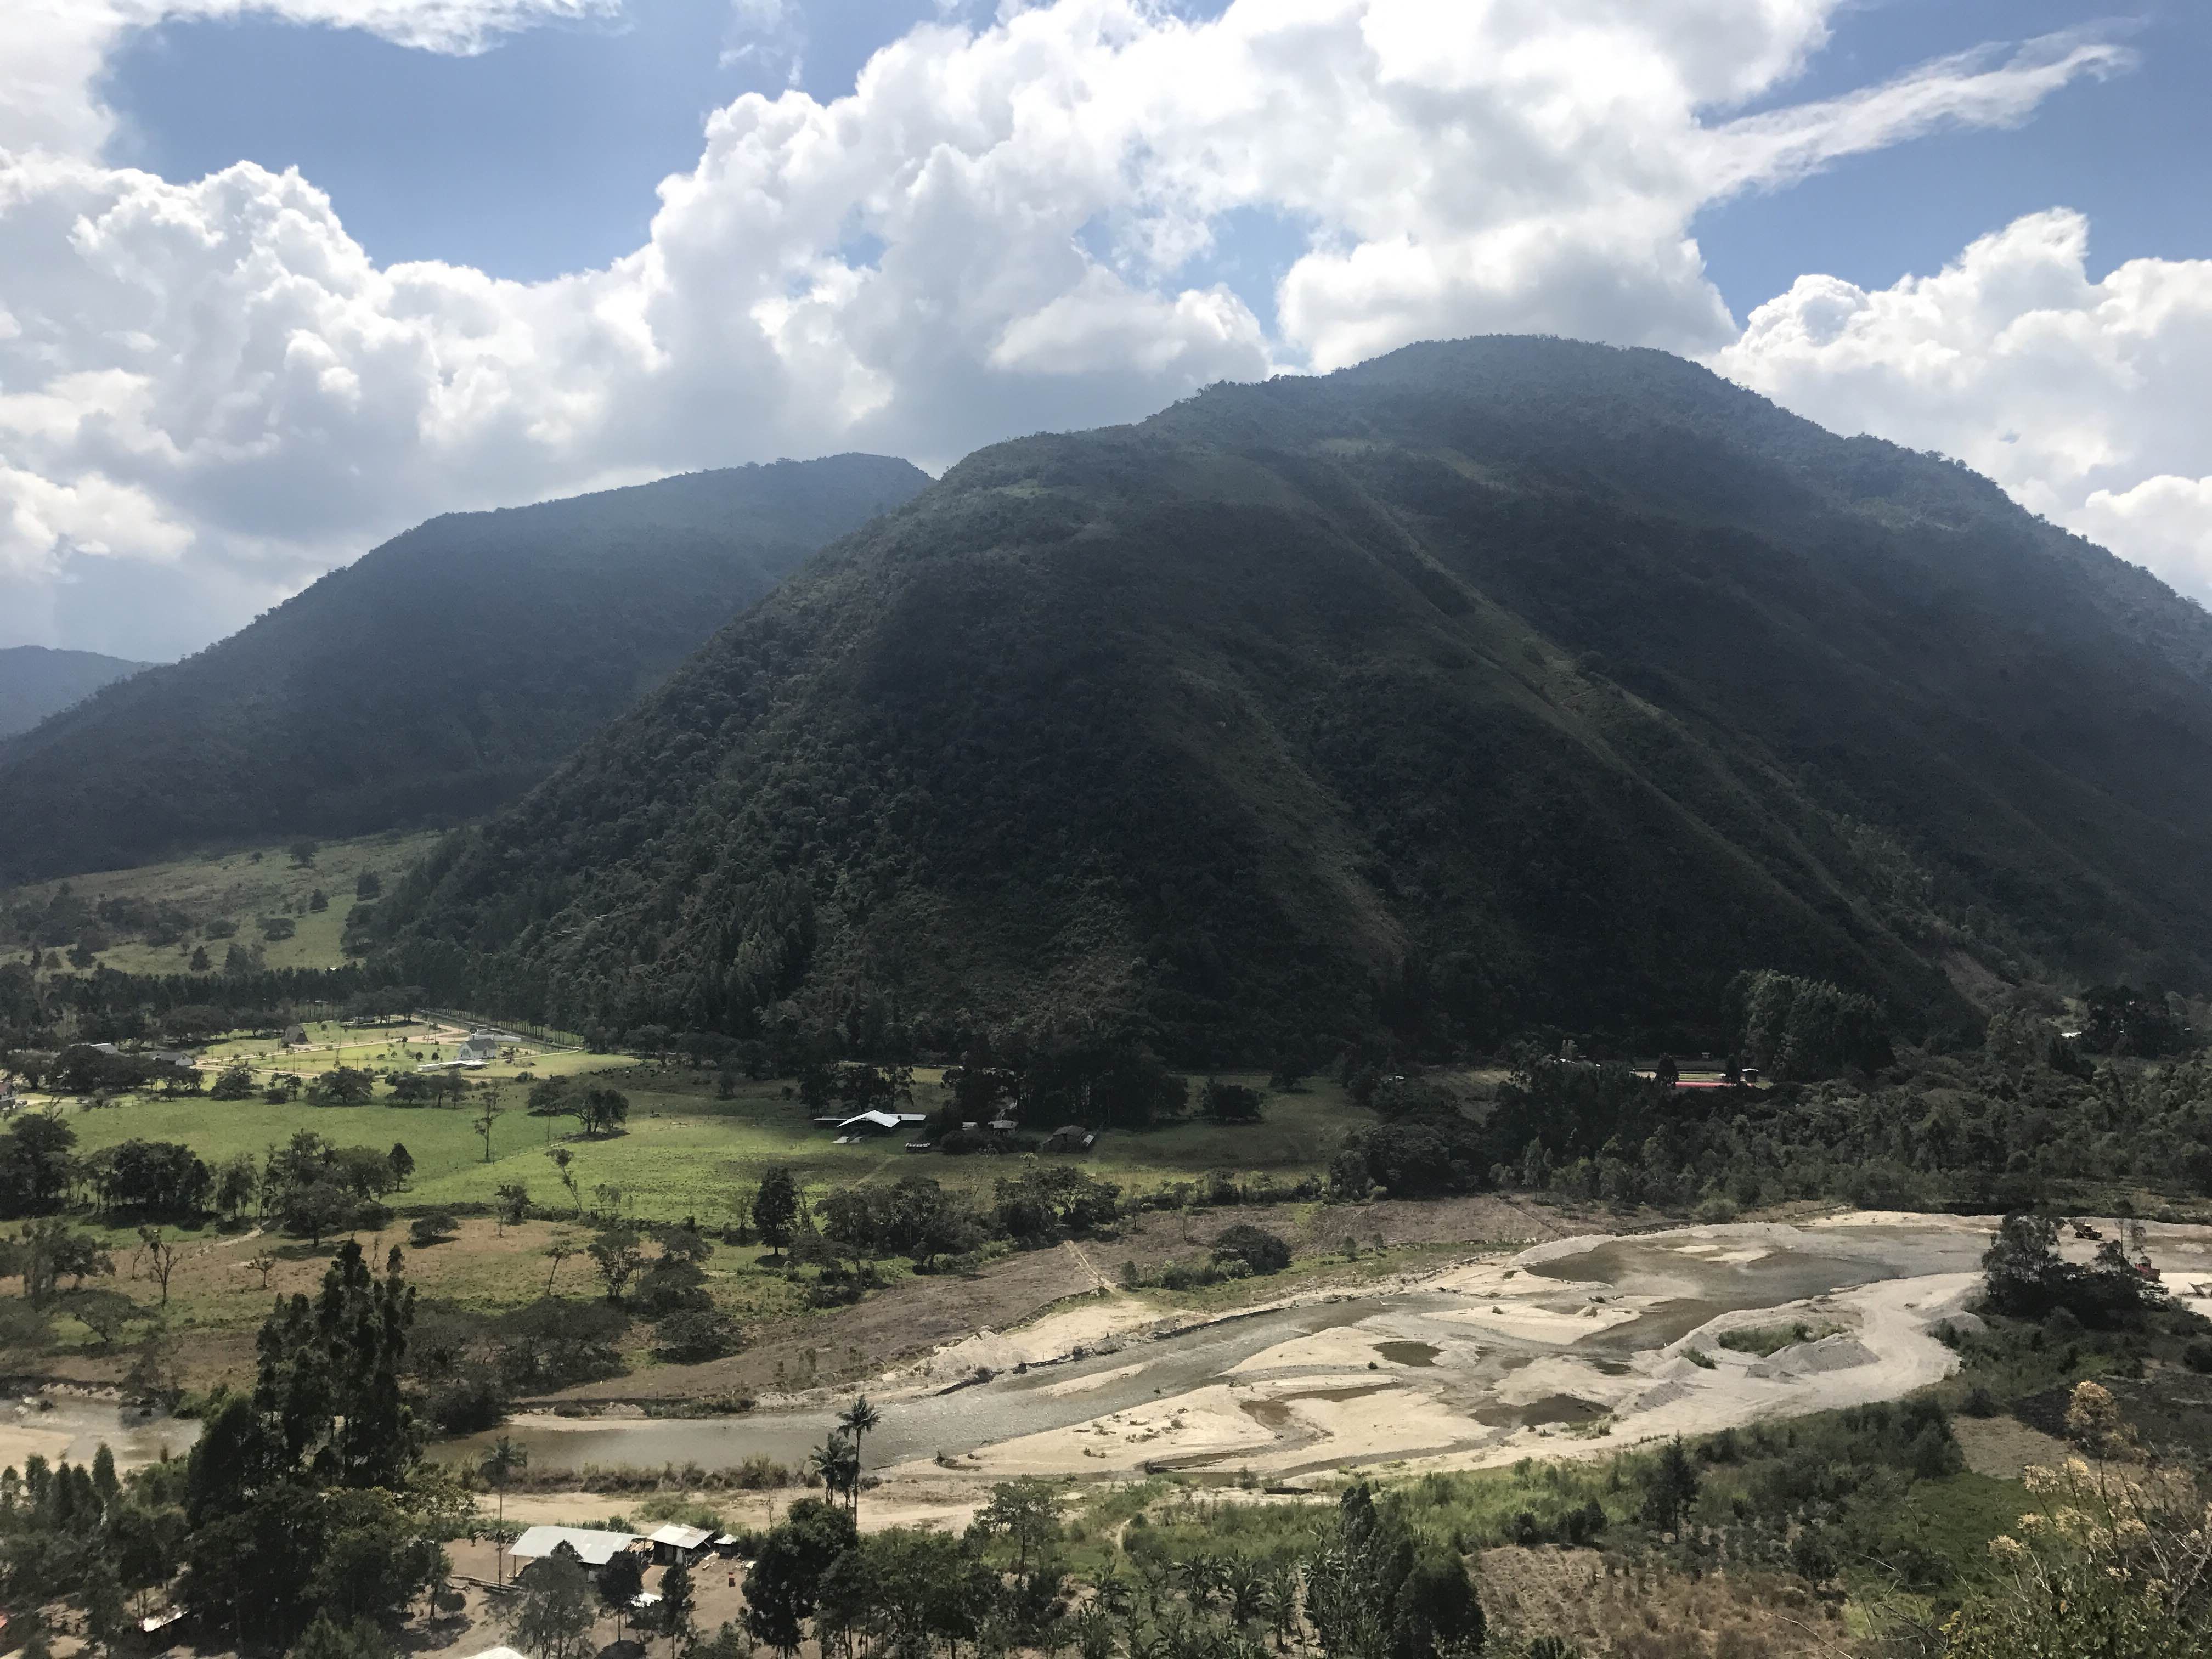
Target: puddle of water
{"points": [[1408, 1353], [1551, 1408], [1275, 1413], [1267, 1413]]}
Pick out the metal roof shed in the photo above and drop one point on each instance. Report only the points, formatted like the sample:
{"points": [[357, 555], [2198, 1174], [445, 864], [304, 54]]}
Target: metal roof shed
{"points": [[593, 1549]]}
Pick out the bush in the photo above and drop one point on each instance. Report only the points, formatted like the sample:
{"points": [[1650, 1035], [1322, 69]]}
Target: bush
{"points": [[467, 1405], [2197, 1356], [435, 1229], [1256, 1247]]}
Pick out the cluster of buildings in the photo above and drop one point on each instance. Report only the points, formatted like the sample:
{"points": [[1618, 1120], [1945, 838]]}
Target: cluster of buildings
{"points": [[863, 1126], [669, 1546]]}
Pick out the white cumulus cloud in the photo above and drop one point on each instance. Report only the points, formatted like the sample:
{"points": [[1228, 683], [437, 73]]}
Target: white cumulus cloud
{"points": [[1001, 228], [2084, 398]]}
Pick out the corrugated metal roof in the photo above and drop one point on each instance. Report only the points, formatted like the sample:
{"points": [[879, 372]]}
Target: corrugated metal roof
{"points": [[682, 1538], [594, 1549]]}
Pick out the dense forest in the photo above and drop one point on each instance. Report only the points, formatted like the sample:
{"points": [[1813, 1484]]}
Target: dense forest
{"points": [[1502, 683], [434, 678], [36, 681]]}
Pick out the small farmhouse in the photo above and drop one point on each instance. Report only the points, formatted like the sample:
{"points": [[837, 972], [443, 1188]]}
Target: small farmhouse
{"points": [[673, 1543]]}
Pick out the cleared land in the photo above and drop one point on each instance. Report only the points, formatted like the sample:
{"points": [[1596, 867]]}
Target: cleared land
{"points": [[239, 888]]}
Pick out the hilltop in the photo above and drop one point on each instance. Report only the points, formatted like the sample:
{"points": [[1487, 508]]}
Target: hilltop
{"points": [[434, 678], [1491, 684], [36, 682]]}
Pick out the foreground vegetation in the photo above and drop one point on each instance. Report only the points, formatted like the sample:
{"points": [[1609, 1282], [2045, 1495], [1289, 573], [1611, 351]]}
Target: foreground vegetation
{"points": [[306, 1521]]}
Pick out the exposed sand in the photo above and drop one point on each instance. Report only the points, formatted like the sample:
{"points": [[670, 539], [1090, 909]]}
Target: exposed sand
{"points": [[1088, 1324]]}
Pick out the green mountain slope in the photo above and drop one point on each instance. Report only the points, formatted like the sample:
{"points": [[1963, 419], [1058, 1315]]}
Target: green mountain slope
{"points": [[1491, 683], [36, 682], [434, 678]]}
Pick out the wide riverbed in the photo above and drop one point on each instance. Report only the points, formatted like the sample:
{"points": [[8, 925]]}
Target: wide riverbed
{"points": [[1444, 1358]]}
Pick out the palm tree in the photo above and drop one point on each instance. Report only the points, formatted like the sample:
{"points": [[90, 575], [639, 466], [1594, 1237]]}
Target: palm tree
{"points": [[837, 1463], [499, 1466], [856, 1421]]}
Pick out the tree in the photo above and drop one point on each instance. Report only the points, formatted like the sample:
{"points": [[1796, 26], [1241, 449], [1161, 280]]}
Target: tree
{"points": [[34, 1165], [599, 1109], [1376, 1592], [909, 1592], [358, 1640], [45, 1252], [317, 1209], [618, 1255], [498, 1467], [1256, 1247], [1231, 1103], [367, 886], [199, 963], [402, 1162], [858, 1420], [775, 1211], [106, 1619], [1025, 1512], [836, 1463], [1669, 1487], [678, 1603], [161, 1258], [342, 1085], [621, 1581], [232, 1083], [2024, 1276], [562, 1160], [303, 852], [552, 1618], [236, 1181], [514, 1203], [785, 1584], [557, 1251], [485, 1117]]}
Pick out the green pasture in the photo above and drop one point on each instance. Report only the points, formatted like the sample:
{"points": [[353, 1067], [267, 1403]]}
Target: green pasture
{"points": [[242, 886], [684, 1152]]}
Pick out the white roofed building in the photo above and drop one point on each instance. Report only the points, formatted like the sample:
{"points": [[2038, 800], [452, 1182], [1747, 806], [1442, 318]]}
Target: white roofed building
{"points": [[672, 1544], [593, 1548]]}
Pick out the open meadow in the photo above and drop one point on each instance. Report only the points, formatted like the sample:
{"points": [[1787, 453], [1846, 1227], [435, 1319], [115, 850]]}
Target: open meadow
{"points": [[692, 1148], [208, 903]]}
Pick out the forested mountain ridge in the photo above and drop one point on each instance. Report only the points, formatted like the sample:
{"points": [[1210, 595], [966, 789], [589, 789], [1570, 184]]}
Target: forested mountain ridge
{"points": [[434, 678], [1493, 682], [36, 682]]}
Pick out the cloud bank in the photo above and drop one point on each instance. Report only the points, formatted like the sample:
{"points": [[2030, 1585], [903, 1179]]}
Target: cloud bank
{"points": [[208, 393]]}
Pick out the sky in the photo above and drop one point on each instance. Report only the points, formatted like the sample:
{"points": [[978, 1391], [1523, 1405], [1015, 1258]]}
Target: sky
{"points": [[279, 279]]}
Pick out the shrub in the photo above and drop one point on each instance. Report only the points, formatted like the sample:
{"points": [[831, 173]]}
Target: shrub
{"points": [[1256, 1247], [433, 1229], [2197, 1356], [467, 1404]]}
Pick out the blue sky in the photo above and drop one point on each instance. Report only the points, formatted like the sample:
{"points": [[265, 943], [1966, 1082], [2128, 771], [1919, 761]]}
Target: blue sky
{"points": [[280, 277], [541, 156]]}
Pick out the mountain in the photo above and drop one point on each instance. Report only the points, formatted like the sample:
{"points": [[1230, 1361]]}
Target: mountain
{"points": [[436, 676], [36, 682], [1489, 684]]}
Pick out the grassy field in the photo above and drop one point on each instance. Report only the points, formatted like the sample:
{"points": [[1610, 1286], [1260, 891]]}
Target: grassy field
{"points": [[240, 887], [684, 1153]]}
